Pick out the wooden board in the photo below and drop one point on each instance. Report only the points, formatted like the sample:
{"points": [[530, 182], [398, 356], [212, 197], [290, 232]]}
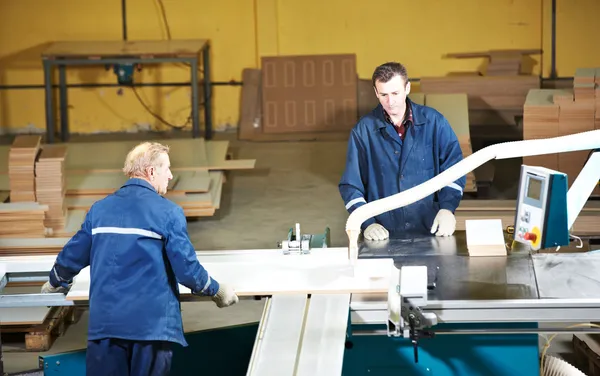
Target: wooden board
{"points": [[117, 48], [185, 155], [326, 273], [23, 316], [309, 93]]}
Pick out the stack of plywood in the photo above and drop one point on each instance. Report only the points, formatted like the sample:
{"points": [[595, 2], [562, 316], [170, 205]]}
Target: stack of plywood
{"points": [[22, 220], [21, 168], [197, 165], [501, 62], [50, 184], [587, 223], [560, 112], [493, 100], [504, 64]]}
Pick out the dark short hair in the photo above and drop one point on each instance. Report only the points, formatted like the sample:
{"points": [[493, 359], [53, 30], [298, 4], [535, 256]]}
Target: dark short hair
{"points": [[387, 71]]}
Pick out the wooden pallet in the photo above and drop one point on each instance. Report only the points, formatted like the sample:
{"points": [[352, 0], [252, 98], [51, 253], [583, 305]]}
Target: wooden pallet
{"points": [[17, 338]]}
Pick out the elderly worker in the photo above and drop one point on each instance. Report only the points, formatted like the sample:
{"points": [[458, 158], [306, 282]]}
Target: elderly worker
{"points": [[398, 146], [137, 246]]}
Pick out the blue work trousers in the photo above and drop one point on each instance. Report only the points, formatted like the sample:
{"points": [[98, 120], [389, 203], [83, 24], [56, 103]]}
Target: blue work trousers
{"points": [[118, 357]]}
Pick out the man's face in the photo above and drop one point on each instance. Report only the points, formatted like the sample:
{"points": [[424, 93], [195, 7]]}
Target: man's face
{"points": [[162, 174], [392, 95]]}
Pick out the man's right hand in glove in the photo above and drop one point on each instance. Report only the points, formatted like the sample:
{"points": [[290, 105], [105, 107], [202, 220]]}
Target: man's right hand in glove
{"points": [[225, 297], [376, 232], [47, 288]]}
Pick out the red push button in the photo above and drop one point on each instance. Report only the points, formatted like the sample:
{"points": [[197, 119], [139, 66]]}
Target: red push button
{"points": [[530, 236]]}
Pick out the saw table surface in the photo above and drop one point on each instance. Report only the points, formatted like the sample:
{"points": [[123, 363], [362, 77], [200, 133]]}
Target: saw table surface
{"points": [[519, 275]]}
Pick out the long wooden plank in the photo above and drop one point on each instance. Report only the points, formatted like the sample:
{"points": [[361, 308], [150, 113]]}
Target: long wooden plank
{"points": [[23, 316], [325, 273], [85, 49], [511, 205]]}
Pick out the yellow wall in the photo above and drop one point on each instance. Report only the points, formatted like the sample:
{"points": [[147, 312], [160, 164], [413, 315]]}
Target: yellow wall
{"points": [[241, 31]]}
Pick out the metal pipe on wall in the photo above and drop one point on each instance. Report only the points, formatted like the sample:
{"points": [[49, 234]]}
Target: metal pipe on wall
{"points": [[97, 85], [124, 18], [553, 45]]}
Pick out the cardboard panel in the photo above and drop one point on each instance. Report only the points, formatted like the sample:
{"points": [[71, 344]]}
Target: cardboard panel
{"points": [[309, 93]]}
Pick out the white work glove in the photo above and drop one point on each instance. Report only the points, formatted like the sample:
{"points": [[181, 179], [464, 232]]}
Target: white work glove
{"points": [[444, 223], [376, 232], [47, 288], [225, 296]]}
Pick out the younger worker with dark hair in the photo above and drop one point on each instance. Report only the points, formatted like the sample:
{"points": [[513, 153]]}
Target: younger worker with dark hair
{"points": [[137, 246], [398, 146]]}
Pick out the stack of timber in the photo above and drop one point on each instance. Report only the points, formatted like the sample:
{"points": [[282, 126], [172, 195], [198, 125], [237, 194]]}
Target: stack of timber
{"points": [[496, 98], [21, 168], [493, 100], [501, 62], [560, 112], [197, 165], [586, 224], [22, 220], [50, 185]]}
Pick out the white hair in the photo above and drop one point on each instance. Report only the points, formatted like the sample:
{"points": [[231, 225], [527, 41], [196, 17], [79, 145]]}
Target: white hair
{"points": [[143, 156]]}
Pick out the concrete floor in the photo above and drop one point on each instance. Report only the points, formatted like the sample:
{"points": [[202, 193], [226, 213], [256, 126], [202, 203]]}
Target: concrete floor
{"points": [[292, 182]]}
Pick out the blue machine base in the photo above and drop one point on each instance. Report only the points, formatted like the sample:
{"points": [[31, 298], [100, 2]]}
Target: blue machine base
{"points": [[443, 355]]}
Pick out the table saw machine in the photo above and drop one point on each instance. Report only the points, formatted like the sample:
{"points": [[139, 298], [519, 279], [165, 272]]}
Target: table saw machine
{"points": [[485, 315]]}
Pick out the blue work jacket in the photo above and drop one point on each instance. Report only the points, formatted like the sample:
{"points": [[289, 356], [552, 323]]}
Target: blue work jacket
{"points": [[137, 246], [379, 164]]}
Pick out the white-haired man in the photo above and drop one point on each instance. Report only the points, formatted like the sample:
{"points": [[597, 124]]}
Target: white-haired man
{"points": [[137, 246]]}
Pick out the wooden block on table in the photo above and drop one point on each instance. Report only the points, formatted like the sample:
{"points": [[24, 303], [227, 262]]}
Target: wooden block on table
{"points": [[485, 237]]}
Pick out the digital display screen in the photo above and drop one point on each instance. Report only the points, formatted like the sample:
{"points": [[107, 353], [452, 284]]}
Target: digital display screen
{"points": [[534, 189]]}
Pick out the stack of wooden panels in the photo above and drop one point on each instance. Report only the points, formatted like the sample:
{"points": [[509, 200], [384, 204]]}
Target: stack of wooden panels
{"points": [[500, 62], [21, 168], [560, 112], [587, 223], [493, 100], [49, 245], [22, 220], [50, 185], [455, 109], [198, 169], [504, 64]]}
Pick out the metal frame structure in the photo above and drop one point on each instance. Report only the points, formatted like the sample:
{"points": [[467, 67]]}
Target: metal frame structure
{"points": [[63, 61]]}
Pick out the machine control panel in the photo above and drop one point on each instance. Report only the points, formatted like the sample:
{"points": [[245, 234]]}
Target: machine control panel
{"points": [[540, 191]]}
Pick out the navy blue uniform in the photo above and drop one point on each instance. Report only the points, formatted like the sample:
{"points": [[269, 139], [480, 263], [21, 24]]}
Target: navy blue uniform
{"points": [[137, 246], [380, 164]]}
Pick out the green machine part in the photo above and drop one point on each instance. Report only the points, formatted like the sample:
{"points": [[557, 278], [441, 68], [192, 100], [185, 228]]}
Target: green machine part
{"points": [[316, 240]]}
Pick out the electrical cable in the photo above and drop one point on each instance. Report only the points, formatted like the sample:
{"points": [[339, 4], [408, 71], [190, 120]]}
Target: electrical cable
{"points": [[158, 117], [163, 15]]}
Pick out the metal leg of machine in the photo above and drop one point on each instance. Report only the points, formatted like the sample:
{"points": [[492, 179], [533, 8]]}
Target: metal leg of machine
{"points": [[207, 92], [64, 103], [49, 101], [194, 88]]}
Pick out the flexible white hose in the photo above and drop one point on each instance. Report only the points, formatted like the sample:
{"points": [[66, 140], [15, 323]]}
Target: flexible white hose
{"points": [[557, 367], [574, 142]]}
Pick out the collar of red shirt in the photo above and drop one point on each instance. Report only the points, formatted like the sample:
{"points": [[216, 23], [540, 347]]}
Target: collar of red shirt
{"points": [[408, 117]]}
